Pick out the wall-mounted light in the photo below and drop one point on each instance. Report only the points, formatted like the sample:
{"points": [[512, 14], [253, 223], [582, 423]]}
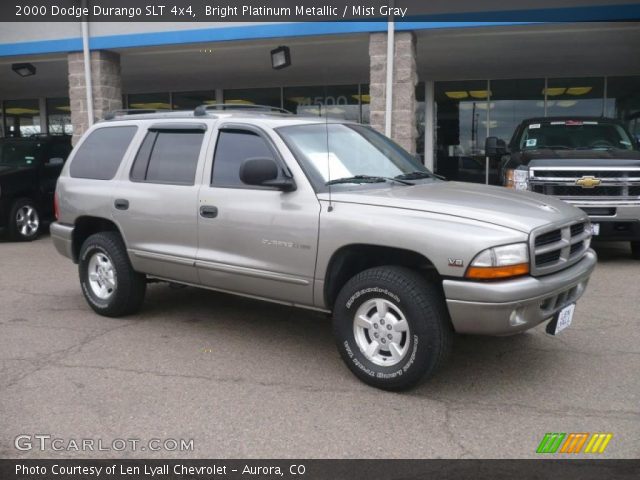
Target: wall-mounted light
{"points": [[280, 58], [23, 69]]}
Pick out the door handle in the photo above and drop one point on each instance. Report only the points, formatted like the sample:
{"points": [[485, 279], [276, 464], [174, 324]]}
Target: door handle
{"points": [[208, 211], [121, 204]]}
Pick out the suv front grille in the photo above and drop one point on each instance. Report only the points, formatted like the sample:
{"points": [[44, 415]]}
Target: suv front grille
{"points": [[559, 247]]}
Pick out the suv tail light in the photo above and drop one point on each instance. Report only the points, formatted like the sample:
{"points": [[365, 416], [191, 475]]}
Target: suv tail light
{"points": [[56, 206]]}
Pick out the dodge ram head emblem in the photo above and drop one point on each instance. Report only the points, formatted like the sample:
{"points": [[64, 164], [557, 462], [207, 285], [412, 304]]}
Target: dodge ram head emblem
{"points": [[588, 182]]}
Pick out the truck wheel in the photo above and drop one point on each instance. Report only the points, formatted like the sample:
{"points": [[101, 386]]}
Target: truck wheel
{"points": [[392, 327], [24, 220], [109, 283], [635, 250]]}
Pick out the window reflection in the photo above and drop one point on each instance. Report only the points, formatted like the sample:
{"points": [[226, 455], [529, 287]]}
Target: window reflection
{"points": [[22, 117], [575, 96], [59, 116], [341, 101]]}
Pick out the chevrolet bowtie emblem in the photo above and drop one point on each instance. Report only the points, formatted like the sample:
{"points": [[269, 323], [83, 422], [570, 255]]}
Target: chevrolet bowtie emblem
{"points": [[588, 182]]}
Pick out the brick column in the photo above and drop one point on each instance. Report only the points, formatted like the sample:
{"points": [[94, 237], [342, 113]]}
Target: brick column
{"points": [[107, 88], [405, 78]]}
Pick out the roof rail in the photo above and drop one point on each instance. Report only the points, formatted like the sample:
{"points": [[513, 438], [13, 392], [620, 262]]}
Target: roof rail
{"points": [[202, 109], [132, 111]]}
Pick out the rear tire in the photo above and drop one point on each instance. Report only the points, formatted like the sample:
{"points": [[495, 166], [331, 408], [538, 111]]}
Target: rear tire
{"points": [[635, 250], [392, 327], [25, 222], [109, 283]]}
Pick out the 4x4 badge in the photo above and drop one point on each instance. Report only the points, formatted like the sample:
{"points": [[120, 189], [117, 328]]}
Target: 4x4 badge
{"points": [[588, 182]]}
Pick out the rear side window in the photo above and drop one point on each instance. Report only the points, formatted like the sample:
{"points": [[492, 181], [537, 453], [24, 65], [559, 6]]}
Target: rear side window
{"points": [[100, 154], [168, 157], [233, 148]]}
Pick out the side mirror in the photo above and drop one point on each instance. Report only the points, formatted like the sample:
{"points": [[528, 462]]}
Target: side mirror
{"points": [[263, 172], [55, 162], [494, 147]]}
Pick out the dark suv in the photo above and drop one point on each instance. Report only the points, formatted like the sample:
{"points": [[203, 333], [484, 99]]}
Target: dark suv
{"points": [[29, 168], [592, 163]]}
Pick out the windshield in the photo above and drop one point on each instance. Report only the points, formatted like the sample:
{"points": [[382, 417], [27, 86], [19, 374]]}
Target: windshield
{"points": [[19, 154], [575, 135], [350, 155]]}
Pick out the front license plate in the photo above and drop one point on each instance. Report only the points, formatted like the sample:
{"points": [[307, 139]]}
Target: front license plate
{"points": [[595, 229], [562, 320]]}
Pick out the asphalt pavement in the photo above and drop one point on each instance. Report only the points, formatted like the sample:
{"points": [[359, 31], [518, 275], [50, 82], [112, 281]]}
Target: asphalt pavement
{"points": [[246, 379]]}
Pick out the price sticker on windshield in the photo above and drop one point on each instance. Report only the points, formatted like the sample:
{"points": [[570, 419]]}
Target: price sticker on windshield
{"points": [[534, 125]]}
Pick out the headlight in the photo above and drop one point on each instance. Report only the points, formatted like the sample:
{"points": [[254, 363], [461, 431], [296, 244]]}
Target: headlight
{"points": [[500, 262], [517, 178]]}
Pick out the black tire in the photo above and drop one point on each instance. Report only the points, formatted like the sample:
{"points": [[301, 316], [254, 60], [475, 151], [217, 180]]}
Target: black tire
{"points": [[635, 250], [18, 229], [129, 288], [429, 337]]}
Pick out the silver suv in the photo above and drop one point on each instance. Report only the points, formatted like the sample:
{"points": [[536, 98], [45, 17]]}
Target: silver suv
{"points": [[324, 215]]}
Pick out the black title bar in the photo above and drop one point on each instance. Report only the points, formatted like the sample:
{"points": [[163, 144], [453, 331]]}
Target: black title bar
{"points": [[315, 10]]}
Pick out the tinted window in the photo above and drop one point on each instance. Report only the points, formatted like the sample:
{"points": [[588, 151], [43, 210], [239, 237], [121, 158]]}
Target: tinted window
{"points": [[234, 147], [168, 157], [100, 154]]}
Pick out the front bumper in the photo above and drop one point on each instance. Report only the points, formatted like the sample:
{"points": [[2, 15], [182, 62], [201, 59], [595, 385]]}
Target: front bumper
{"points": [[619, 220], [512, 306], [62, 236]]}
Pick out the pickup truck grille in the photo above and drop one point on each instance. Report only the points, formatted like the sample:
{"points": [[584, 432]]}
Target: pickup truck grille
{"points": [[614, 184], [554, 248]]}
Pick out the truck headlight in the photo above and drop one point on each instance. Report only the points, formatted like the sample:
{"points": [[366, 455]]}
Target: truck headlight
{"points": [[500, 262], [517, 178]]}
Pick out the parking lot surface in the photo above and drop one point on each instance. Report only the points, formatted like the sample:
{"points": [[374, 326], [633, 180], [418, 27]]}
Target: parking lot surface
{"points": [[244, 378]]}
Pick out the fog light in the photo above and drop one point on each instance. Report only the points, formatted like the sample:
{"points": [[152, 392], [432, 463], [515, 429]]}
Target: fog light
{"points": [[517, 317]]}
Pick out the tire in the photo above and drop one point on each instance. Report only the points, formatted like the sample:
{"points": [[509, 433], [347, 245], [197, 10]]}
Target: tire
{"points": [[421, 345], [25, 221], [635, 250], [109, 283]]}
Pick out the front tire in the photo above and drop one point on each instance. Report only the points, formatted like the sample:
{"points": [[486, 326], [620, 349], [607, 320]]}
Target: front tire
{"points": [[635, 250], [25, 223], [392, 327], [109, 283]]}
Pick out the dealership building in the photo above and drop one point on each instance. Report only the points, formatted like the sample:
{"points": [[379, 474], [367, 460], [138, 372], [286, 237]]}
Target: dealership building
{"points": [[440, 91]]}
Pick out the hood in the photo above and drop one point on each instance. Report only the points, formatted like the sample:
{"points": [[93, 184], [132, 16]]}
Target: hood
{"points": [[612, 158], [522, 211]]}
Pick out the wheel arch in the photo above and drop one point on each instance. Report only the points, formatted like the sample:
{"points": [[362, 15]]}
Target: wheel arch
{"points": [[352, 259], [86, 226]]}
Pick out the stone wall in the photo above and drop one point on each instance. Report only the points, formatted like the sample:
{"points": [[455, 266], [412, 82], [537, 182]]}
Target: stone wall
{"points": [[405, 78], [107, 88]]}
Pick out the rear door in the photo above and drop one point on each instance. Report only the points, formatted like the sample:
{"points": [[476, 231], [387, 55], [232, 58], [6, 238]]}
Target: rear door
{"points": [[156, 207], [257, 241]]}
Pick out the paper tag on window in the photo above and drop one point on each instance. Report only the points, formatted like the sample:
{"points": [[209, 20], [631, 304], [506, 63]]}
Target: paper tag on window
{"points": [[534, 125]]}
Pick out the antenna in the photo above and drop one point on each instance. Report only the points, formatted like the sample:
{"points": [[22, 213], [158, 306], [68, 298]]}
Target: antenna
{"points": [[326, 129]]}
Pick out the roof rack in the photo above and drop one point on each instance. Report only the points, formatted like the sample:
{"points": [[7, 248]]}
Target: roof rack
{"points": [[202, 109], [133, 111]]}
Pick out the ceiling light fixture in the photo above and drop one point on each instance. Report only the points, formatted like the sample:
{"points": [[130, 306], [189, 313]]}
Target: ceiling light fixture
{"points": [[280, 58], [23, 69]]}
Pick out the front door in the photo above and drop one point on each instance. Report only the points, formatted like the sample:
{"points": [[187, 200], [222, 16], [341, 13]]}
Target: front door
{"points": [[257, 241]]}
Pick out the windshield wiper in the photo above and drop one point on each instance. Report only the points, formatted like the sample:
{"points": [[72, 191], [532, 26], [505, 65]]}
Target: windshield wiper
{"points": [[417, 175], [366, 179]]}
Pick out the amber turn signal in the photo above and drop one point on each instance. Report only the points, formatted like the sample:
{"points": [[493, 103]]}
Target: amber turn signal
{"points": [[493, 273]]}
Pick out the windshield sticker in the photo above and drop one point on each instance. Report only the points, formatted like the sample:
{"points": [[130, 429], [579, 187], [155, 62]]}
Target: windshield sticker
{"points": [[534, 125], [532, 142]]}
